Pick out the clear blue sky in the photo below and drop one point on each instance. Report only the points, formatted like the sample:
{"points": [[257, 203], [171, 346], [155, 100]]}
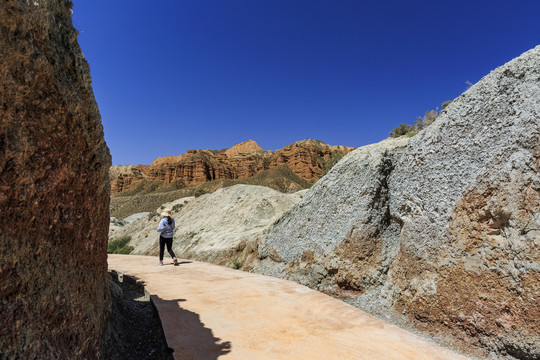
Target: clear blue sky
{"points": [[174, 75]]}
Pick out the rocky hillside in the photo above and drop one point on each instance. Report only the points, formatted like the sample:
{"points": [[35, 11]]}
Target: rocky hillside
{"points": [[54, 192], [439, 233], [220, 227], [307, 159]]}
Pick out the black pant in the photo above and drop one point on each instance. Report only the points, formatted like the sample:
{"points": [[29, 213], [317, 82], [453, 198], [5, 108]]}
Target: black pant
{"points": [[162, 242]]}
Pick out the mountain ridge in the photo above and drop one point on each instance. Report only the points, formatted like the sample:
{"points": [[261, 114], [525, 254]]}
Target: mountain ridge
{"points": [[309, 159]]}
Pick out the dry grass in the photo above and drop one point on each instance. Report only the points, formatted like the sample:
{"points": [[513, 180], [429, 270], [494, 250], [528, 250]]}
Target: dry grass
{"points": [[148, 196]]}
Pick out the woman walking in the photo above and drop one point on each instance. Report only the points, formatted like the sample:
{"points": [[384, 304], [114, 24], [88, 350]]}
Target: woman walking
{"points": [[166, 228]]}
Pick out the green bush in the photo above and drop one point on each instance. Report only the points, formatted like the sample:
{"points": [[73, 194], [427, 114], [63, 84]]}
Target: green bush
{"points": [[411, 133], [420, 124], [237, 264], [402, 129], [120, 246]]}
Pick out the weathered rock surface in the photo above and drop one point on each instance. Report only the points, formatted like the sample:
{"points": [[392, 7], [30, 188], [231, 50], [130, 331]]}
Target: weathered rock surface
{"points": [[244, 147], [125, 177], [54, 189], [309, 159], [219, 227], [440, 233]]}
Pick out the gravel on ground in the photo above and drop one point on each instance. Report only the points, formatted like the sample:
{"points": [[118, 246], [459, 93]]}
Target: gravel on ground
{"points": [[134, 330]]}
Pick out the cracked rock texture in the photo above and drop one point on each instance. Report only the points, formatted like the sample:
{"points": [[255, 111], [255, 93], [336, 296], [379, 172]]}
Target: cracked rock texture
{"points": [[439, 233], [54, 189]]}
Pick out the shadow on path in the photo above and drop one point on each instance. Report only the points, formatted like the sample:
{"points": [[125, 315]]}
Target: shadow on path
{"points": [[179, 263], [186, 334]]}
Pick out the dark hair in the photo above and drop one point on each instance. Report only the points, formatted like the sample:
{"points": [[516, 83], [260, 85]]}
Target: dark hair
{"points": [[169, 220]]}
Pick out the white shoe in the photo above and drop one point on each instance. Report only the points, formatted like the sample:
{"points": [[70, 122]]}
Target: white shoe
{"points": [[161, 263]]}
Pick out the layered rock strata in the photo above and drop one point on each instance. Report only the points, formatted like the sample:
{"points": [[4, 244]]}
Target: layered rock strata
{"points": [[440, 233], [54, 189], [309, 159]]}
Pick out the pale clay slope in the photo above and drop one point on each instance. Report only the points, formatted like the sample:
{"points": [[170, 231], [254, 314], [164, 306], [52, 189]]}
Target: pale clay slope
{"points": [[213, 226], [445, 229]]}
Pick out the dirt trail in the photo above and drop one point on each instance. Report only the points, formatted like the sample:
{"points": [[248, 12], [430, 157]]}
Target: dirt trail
{"points": [[210, 312]]}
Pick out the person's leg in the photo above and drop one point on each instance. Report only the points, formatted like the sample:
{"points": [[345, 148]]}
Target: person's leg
{"points": [[161, 248], [169, 247], [171, 252]]}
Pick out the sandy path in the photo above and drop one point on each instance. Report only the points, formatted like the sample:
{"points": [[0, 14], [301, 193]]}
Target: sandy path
{"points": [[210, 312]]}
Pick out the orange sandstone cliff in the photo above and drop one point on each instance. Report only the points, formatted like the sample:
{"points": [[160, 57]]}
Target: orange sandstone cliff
{"points": [[309, 159]]}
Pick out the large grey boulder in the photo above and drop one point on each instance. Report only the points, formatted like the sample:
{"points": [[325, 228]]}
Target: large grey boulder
{"points": [[440, 234]]}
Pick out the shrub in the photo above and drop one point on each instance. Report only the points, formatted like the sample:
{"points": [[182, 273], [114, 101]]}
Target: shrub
{"points": [[411, 133], [177, 207], [237, 264], [199, 192], [446, 103], [419, 125], [120, 246], [402, 129], [152, 215], [118, 222]]}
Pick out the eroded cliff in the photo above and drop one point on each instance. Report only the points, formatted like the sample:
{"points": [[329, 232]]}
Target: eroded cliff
{"points": [[54, 189], [309, 159]]}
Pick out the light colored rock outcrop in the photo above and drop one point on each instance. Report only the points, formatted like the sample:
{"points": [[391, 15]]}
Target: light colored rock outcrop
{"points": [[54, 189], [441, 234], [217, 227]]}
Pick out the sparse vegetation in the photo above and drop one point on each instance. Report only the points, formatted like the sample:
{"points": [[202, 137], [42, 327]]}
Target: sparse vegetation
{"points": [[401, 130], [118, 222], [420, 124], [279, 178], [198, 192], [237, 264], [120, 246], [177, 207], [446, 103], [152, 215], [334, 159]]}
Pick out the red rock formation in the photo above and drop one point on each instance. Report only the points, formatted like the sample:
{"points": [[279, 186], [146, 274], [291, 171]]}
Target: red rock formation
{"points": [[306, 158], [309, 159], [124, 176], [54, 189], [245, 147]]}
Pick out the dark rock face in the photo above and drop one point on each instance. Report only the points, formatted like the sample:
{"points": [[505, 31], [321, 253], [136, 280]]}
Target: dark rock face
{"points": [[54, 189]]}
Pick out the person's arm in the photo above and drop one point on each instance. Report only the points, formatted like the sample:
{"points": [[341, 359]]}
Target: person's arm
{"points": [[161, 226]]}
